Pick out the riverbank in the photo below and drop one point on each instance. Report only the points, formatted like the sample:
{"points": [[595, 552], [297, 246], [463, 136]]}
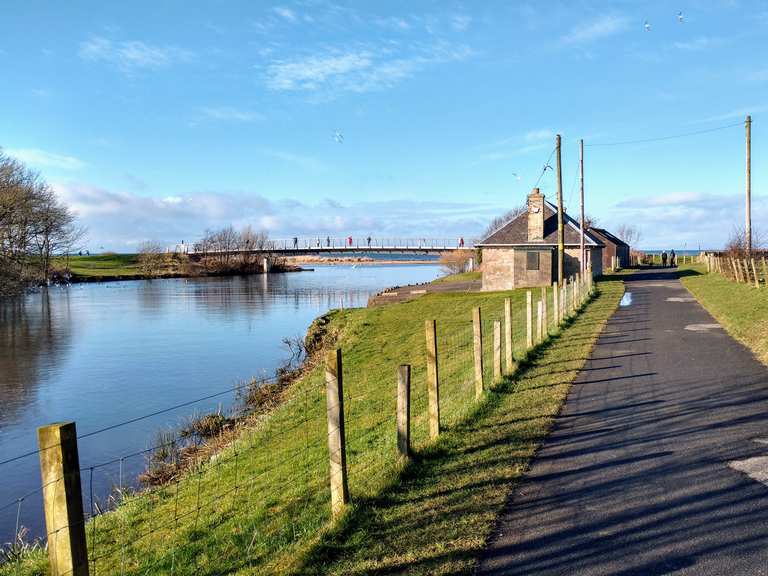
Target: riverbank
{"points": [[265, 498]]}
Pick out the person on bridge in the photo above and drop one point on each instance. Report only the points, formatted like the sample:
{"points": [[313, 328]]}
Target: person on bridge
{"points": [[328, 241], [295, 242], [318, 242], [369, 241], [461, 242], [349, 241]]}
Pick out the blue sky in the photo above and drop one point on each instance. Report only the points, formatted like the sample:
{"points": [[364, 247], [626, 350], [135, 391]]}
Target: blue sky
{"points": [[156, 120]]}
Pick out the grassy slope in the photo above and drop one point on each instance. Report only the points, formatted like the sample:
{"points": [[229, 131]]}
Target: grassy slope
{"points": [[103, 265], [462, 277], [438, 518], [262, 506], [740, 308]]}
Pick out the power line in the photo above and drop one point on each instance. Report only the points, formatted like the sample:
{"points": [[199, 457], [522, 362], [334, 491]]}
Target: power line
{"points": [[661, 138], [546, 165]]}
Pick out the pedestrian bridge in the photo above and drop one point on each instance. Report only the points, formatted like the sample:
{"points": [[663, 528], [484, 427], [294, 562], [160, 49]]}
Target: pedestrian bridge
{"points": [[351, 244]]}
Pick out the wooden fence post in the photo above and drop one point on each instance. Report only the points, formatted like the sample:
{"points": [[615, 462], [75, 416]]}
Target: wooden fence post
{"points": [[539, 322], [433, 387], [62, 499], [508, 351], [555, 305], [477, 329], [334, 393], [754, 272], [765, 272], [544, 309], [529, 320], [497, 351], [404, 409]]}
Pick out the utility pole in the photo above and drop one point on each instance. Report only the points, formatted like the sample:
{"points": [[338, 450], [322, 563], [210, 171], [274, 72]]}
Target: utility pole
{"points": [[581, 183], [560, 236], [748, 231]]}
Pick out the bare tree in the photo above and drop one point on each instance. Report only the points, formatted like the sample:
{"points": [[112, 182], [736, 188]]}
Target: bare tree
{"points": [[455, 261], [500, 221], [629, 233], [151, 259], [736, 244]]}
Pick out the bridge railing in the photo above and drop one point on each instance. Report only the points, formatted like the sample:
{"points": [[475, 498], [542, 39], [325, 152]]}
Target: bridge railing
{"points": [[325, 243]]}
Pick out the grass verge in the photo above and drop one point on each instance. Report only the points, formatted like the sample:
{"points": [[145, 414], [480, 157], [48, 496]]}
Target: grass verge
{"points": [[461, 277], [261, 505], [102, 265], [741, 308]]}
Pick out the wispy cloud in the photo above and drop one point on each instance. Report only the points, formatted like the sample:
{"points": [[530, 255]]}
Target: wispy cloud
{"points": [[230, 114], [132, 54], [361, 70], [42, 159], [698, 44], [305, 162], [601, 27], [285, 13], [737, 113], [536, 135], [461, 22]]}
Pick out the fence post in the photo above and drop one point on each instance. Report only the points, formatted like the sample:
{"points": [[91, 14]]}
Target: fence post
{"points": [[404, 409], [334, 393], [477, 330], [555, 306], [539, 322], [765, 272], [497, 351], [508, 333], [754, 271], [62, 499], [544, 309], [529, 320], [433, 387]]}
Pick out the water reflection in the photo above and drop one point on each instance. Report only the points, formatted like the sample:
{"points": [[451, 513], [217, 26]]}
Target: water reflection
{"points": [[105, 353]]}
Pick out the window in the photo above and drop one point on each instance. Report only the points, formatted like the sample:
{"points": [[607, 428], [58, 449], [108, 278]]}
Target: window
{"points": [[532, 261]]}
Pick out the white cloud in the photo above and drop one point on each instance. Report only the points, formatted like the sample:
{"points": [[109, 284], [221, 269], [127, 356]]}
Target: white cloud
{"points": [[231, 114], [285, 13], [461, 22], [130, 55], [360, 70], [602, 27], [43, 159], [121, 220]]}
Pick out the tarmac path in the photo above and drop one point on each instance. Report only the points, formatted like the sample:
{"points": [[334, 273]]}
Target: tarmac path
{"points": [[658, 463]]}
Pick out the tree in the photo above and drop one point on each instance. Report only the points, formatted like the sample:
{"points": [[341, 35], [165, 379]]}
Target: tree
{"points": [[629, 233], [499, 221], [455, 261], [736, 244], [151, 259]]}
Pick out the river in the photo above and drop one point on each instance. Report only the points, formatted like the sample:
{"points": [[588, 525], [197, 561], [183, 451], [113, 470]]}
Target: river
{"points": [[102, 354]]}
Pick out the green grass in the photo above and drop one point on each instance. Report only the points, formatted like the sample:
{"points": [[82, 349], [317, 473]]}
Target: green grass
{"points": [[461, 277], [102, 265], [262, 506], [742, 309]]}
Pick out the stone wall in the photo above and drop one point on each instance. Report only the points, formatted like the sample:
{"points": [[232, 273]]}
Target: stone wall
{"points": [[506, 268]]}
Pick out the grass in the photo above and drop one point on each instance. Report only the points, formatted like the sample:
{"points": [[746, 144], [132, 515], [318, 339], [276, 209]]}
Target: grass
{"points": [[262, 505], [461, 277], [103, 265], [740, 308]]}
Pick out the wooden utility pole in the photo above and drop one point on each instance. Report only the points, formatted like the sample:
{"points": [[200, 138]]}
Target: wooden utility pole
{"points": [[583, 266], [748, 231], [560, 231]]}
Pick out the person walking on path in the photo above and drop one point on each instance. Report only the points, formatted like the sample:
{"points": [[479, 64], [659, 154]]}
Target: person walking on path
{"points": [[672, 258], [664, 259]]}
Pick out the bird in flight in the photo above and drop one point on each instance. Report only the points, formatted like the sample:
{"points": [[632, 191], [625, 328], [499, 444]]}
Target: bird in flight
{"points": [[517, 177], [647, 26], [339, 137], [680, 17]]}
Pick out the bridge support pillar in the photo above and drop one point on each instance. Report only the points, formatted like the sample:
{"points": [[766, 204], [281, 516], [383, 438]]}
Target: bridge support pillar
{"points": [[265, 265]]}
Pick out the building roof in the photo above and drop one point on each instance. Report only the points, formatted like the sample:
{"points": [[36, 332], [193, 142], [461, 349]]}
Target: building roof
{"points": [[606, 236], [515, 232]]}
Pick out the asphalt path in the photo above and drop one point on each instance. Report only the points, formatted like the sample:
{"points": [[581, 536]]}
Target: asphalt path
{"points": [[658, 463]]}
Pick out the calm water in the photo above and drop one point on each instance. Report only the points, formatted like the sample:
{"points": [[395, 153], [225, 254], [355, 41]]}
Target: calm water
{"points": [[101, 354]]}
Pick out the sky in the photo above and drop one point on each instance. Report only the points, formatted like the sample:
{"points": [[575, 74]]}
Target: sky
{"points": [[158, 120]]}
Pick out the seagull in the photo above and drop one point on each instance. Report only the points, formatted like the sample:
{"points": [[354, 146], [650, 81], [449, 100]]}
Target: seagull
{"points": [[339, 137], [647, 26], [680, 17], [547, 167], [515, 175]]}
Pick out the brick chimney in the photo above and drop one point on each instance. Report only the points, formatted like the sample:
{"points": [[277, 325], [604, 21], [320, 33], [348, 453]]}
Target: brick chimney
{"points": [[535, 216]]}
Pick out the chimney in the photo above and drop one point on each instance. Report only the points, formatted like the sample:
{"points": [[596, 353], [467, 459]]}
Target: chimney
{"points": [[535, 216]]}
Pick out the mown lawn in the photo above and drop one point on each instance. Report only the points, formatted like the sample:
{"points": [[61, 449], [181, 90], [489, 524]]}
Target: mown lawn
{"points": [[102, 265], [262, 506], [741, 308], [461, 277]]}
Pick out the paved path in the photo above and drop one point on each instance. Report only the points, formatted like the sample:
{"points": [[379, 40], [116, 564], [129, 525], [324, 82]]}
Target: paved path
{"points": [[638, 476]]}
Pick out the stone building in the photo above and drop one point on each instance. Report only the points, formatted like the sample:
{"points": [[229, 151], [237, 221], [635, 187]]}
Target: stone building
{"points": [[614, 246], [523, 252]]}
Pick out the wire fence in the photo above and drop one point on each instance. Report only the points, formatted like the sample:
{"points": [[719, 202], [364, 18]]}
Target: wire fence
{"points": [[251, 488], [752, 270]]}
